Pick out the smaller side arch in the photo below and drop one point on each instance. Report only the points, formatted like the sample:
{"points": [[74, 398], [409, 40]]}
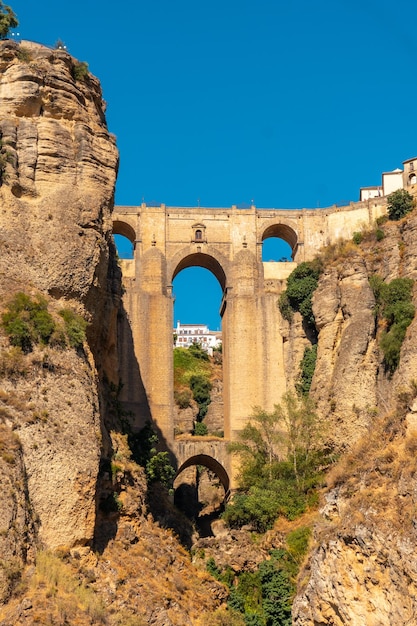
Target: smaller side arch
{"points": [[282, 231], [122, 228], [211, 464]]}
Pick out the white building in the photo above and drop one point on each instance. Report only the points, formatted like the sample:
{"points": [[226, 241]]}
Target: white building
{"points": [[366, 193], [186, 334], [391, 181]]}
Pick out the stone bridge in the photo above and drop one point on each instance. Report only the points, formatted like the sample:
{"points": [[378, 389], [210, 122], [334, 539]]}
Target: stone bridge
{"points": [[227, 242], [207, 451]]}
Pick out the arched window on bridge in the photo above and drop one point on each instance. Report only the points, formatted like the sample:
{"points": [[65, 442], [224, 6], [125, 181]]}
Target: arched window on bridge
{"points": [[198, 232], [278, 243], [124, 237]]}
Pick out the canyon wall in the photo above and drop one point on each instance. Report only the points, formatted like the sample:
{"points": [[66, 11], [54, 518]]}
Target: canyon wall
{"points": [[362, 566], [55, 225]]}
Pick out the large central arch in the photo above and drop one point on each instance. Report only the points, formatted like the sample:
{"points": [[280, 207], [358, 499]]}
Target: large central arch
{"points": [[213, 262], [195, 256]]}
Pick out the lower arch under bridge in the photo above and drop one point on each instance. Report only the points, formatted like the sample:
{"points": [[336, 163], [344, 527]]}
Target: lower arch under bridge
{"points": [[228, 242], [211, 453]]}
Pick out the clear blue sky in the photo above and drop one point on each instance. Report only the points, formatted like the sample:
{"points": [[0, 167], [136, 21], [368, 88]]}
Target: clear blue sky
{"points": [[286, 104]]}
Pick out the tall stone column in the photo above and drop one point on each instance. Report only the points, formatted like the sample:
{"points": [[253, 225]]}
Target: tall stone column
{"points": [[152, 330], [273, 374], [243, 349]]}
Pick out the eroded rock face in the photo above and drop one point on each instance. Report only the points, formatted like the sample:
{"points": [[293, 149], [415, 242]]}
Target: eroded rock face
{"points": [[363, 568], [15, 518], [344, 383], [56, 199], [60, 175], [360, 580]]}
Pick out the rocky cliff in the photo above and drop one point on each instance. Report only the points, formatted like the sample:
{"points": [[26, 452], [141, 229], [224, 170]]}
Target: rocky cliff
{"points": [[362, 567], [60, 165]]}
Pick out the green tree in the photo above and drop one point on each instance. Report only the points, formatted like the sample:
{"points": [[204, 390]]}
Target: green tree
{"points": [[200, 429], [80, 71], [277, 589], [301, 284], [264, 597], [400, 203], [157, 465], [302, 435], [8, 20], [280, 453], [201, 387], [258, 447], [75, 327], [197, 351], [394, 305]]}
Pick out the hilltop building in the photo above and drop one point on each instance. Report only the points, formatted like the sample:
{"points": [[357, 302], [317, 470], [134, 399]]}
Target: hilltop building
{"points": [[186, 334], [391, 181]]}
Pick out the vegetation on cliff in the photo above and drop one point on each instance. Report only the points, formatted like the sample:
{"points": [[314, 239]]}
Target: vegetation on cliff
{"points": [[395, 310], [400, 202], [307, 367], [192, 373], [157, 464], [301, 284], [8, 20], [281, 455], [27, 321], [263, 597]]}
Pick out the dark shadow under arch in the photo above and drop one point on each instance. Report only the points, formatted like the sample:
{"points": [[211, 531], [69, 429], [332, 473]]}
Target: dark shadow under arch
{"points": [[200, 259], [121, 228], [211, 464], [282, 231]]}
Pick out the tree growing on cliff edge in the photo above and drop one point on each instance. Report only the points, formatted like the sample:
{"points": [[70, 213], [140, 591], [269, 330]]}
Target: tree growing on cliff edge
{"points": [[282, 455], [8, 20], [400, 203]]}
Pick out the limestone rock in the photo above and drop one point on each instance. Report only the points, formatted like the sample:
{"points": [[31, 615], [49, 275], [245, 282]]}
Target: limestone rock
{"points": [[62, 163], [362, 568], [344, 383], [56, 198], [359, 579], [15, 518]]}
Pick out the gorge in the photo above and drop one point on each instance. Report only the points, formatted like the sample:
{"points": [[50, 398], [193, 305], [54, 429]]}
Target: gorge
{"points": [[79, 542]]}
